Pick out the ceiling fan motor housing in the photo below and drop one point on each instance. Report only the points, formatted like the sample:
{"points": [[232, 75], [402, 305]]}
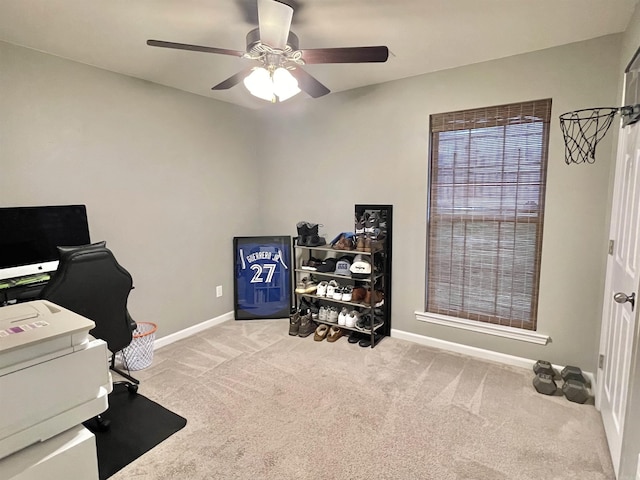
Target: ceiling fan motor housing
{"points": [[253, 39]]}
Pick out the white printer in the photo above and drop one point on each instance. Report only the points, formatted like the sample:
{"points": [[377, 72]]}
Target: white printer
{"points": [[53, 377]]}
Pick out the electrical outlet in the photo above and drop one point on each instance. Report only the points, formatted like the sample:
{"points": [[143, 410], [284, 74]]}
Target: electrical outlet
{"points": [[219, 291]]}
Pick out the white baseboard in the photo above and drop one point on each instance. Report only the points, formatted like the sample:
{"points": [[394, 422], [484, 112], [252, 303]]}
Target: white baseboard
{"points": [[187, 332], [479, 353]]}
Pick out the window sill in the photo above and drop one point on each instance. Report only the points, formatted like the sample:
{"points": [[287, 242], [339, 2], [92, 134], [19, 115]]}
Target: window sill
{"points": [[487, 328]]}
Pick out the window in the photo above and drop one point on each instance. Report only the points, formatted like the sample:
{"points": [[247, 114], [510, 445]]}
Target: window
{"points": [[486, 210]]}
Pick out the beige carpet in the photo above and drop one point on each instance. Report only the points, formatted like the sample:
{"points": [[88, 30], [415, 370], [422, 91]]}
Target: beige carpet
{"points": [[261, 404]]}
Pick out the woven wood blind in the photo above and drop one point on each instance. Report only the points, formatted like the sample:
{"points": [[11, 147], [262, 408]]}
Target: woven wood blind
{"points": [[486, 212]]}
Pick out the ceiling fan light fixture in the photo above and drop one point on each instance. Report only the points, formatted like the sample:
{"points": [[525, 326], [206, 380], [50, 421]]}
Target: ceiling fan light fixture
{"points": [[277, 86], [285, 85], [259, 84]]}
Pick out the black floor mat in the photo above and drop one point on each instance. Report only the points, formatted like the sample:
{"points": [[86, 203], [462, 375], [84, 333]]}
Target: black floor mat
{"points": [[137, 425]]}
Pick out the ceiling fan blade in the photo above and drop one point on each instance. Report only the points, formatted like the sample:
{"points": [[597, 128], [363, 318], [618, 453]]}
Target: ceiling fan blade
{"points": [[274, 20], [194, 48], [309, 84], [345, 55], [233, 80]]}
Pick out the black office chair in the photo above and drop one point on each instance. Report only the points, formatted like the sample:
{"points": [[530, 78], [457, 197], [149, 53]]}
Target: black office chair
{"points": [[90, 282]]}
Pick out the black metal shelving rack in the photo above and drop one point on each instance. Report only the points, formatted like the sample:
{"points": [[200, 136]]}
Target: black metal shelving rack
{"points": [[380, 277]]}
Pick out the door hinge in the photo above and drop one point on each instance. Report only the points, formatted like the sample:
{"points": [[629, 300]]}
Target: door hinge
{"points": [[611, 242], [601, 361]]}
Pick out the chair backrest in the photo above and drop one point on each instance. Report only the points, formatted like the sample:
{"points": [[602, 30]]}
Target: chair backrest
{"points": [[89, 281]]}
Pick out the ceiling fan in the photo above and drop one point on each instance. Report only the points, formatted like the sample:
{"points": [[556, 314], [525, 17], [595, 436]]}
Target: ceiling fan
{"points": [[279, 75]]}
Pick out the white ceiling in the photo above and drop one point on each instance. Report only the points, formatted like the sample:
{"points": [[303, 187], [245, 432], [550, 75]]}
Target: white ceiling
{"points": [[422, 35]]}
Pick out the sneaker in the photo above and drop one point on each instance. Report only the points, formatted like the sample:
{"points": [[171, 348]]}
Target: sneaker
{"points": [[306, 286], [337, 293], [307, 325], [359, 225], [332, 315], [322, 314], [347, 293], [294, 323], [342, 317], [352, 319], [365, 322], [331, 288], [321, 291], [311, 264], [371, 223], [302, 285]]}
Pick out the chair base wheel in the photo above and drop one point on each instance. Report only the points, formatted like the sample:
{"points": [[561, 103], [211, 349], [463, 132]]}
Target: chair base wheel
{"points": [[102, 424]]}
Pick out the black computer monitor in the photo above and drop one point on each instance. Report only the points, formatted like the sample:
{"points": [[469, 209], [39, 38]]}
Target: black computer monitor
{"points": [[29, 237]]}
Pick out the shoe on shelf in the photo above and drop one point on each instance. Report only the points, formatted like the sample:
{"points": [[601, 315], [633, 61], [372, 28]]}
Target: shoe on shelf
{"points": [[311, 264], [358, 294], [347, 293], [371, 223], [352, 318], [303, 233], [342, 316], [321, 333], [377, 295], [294, 323], [337, 293], [307, 325], [321, 291], [306, 286], [359, 225], [309, 305], [334, 334], [332, 315], [331, 288], [367, 320], [315, 241], [368, 244], [306, 230], [322, 313], [302, 285], [344, 241]]}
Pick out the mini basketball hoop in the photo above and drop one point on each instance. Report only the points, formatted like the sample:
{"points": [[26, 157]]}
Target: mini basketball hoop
{"points": [[582, 130]]}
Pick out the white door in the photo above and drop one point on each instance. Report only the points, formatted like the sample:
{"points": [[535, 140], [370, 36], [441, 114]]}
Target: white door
{"points": [[623, 279]]}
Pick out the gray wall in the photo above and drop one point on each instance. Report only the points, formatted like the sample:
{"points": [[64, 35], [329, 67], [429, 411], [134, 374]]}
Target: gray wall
{"points": [[167, 177], [371, 146]]}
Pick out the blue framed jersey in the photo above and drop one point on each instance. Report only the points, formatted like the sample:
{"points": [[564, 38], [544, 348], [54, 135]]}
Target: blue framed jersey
{"points": [[262, 279]]}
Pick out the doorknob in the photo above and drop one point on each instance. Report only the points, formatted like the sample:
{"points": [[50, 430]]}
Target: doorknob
{"points": [[622, 298]]}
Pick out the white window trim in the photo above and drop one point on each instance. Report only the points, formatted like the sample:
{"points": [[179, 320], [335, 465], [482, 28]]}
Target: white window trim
{"points": [[482, 327]]}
